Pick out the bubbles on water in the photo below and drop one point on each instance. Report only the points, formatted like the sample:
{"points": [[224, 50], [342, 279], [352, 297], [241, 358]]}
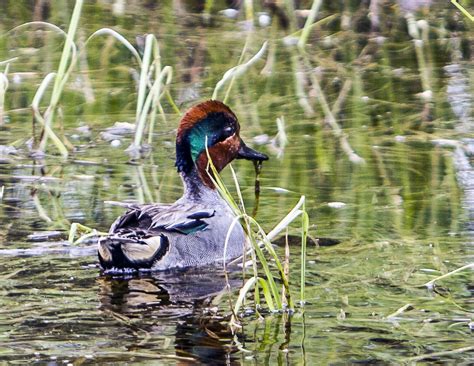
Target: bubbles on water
{"points": [[115, 143], [230, 13], [264, 20], [336, 205]]}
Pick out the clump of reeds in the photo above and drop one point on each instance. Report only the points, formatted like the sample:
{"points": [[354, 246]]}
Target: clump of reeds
{"points": [[262, 253], [152, 87], [66, 63]]}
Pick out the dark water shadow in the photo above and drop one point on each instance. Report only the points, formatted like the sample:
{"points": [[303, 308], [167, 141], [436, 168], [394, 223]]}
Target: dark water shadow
{"points": [[183, 299]]}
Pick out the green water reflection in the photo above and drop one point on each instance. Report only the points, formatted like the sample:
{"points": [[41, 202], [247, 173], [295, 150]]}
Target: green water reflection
{"points": [[404, 218]]}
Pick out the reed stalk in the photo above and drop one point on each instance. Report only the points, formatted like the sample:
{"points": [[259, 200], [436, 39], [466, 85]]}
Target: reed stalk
{"points": [[248, 221], [249, 12], [304, 236], [449, 274], [290, 10], [337, 130], [437, 355], [39, 207], [3, 91], [300, 81], [309, 21], [8, 61], [154, 95], [238, 70], [150, 91], [35, 106], [286, 264], [69, 52], [420, 56], [61, 77]]}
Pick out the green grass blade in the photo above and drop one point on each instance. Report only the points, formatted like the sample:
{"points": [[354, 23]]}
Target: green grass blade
{"points": [[304, 235], [37, 114], [167, 73], [243, 293], [68, 54], [266, 270], [118, 37], [39, 207], [8, 61], [283, 224], [238, 70], [142, 85], [3, 90], [309, 21], [234, 223], [46, 24], [266, 293], [269, 247]]}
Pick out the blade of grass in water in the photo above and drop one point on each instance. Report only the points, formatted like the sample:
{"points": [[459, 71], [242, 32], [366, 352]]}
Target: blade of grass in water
{"points": [[118, 37], [238, 70], [309, 21], [39, 207], [240, 299], [149, 93], [154, 91], [3, 90], [433, 281], [83, 232], [61, 77], [39, 117], [304, 236]]}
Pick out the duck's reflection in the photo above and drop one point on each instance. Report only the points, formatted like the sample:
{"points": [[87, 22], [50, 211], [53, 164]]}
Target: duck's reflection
{"points": [[178, 304]]}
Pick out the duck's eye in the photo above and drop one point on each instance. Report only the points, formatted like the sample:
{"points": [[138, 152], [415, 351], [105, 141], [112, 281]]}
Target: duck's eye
{"points": [[226, 132]]}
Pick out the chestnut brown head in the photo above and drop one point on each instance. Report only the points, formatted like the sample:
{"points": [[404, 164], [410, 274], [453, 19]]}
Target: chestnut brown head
{"points": [[210, 122]]}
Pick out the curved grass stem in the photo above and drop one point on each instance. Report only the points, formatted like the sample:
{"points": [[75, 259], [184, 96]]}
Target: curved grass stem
{"points": [[449, 274]]}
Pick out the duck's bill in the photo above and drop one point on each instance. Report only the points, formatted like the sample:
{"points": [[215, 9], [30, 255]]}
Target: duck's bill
{"points": [[246, 152]]}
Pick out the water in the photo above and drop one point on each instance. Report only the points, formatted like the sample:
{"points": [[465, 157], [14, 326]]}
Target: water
{"points": [[406, 218]]}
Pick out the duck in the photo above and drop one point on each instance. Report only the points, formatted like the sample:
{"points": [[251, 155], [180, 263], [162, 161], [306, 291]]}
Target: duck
{"points": [[192, 231]]}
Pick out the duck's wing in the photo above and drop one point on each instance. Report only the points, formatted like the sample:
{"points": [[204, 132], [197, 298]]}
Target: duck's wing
{"points": [[143, 235]]}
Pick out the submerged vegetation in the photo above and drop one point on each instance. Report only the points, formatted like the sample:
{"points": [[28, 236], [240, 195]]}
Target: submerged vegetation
{"points": [[366, 107]]}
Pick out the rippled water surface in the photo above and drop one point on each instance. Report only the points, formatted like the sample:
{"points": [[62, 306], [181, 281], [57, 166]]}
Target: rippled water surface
{"points": [[400, 220]]}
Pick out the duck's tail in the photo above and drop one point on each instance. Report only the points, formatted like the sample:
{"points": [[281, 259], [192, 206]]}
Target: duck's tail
{"points": [[122, 253]]}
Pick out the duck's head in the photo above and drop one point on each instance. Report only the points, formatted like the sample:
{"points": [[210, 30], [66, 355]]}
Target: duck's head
{"points": [[210, 122]]}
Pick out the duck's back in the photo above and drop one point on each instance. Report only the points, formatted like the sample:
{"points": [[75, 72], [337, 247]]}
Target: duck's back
{"points": [[159, 237]]}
